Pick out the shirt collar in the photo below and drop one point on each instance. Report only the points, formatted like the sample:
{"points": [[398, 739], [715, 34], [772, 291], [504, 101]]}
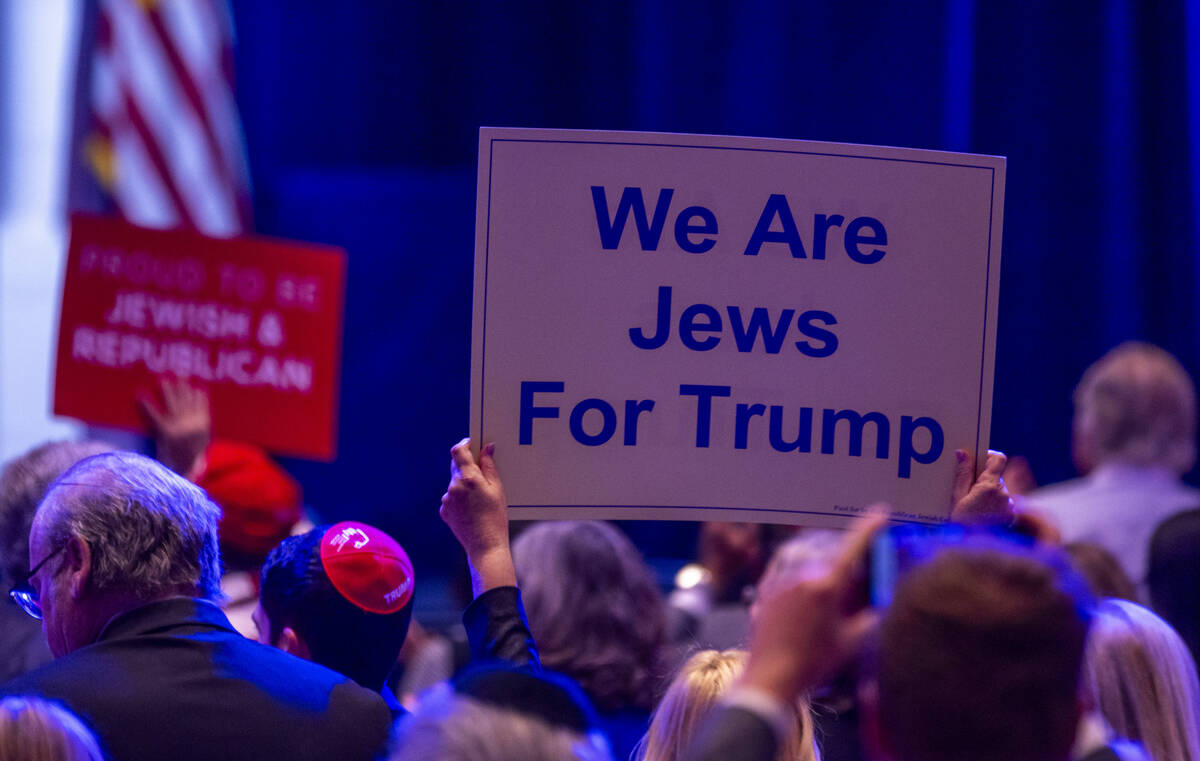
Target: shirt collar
{"points": [[1117, 472], [162, 615]]}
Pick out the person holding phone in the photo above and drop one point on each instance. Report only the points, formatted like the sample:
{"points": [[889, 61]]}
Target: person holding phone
{"points": [[977, 656]]}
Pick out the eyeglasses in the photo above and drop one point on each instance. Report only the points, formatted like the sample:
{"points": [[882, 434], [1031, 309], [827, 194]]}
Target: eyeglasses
{"points": [[25, 596]]}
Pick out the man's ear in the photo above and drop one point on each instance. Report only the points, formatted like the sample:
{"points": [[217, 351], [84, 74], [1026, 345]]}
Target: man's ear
{"points": [[77, 564], [291, 642]]}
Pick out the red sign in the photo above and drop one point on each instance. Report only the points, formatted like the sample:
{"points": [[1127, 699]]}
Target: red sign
{"points": [[256, 322]]}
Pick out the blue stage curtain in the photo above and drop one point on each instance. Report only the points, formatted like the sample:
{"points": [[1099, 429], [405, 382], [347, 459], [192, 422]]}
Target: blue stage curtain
{"points": [[362, 120]]}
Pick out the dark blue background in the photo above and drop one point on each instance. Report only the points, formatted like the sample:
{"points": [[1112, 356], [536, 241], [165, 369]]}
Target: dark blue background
{"points": [[361, 121]]}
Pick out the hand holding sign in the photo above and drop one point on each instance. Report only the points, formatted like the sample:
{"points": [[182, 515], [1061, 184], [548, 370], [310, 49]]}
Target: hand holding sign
{"points": [[987, 500], [256, 321], [476, 511], [810, 625], [984, 499], [739, 307]]}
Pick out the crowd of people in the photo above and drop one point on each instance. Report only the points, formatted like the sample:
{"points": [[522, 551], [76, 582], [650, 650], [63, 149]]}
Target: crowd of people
{"points": [[188, 611]]}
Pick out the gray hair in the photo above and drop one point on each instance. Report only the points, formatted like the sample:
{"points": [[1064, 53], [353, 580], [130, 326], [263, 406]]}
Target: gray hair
{"points": [[812, 548], [1144, 680], [595, 609], [449, 727], [810, 552], [1137, 405], [151, 532], [23, 483]]}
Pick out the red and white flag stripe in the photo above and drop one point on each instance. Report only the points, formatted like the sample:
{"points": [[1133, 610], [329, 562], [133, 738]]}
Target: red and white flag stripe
{"points": [[165, 141]]}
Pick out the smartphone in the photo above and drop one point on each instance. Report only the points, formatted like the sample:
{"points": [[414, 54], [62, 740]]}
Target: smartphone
{"points": [[902, 547]]}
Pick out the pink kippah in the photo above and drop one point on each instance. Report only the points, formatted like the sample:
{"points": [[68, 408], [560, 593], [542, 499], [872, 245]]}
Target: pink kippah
{"points": [[367, 567]]}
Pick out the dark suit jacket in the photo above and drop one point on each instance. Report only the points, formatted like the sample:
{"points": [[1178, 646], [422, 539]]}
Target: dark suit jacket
{"points": [[172, 680], [734, 734], [22, 646]]}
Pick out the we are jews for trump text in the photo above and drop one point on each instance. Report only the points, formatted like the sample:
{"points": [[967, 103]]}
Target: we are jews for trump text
{"points": [[703, 327]]}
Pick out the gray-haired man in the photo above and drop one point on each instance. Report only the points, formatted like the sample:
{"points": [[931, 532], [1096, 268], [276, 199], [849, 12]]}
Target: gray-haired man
{"points": [[1134, 435], [124, 564]]}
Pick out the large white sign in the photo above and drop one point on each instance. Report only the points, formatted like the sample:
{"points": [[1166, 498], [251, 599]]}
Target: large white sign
{"points": [[722, 328]]}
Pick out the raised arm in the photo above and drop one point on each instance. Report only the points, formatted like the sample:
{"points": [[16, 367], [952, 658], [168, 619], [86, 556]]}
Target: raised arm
{"points": [[476, 511], [808, 628], [182, 426]]}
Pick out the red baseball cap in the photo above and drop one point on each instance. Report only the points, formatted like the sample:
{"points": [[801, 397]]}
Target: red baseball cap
{"points": [[260, 502], [368, 567]]}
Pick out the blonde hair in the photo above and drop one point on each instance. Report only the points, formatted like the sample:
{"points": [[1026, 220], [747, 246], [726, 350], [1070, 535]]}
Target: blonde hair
{"points": [[1144, 680], [32, 729], [691, 697]]}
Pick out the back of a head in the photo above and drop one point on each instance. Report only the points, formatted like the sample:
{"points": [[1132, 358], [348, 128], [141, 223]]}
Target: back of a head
{"points": [[1143, 680], [811, 550], [594, 607], [451, 727], [32, 729], [297, 592], [1101, 570], [260, 502], [1136, 405], [979, 656], [1174, 575], [23, 482], [692, 696], [152, 533]]}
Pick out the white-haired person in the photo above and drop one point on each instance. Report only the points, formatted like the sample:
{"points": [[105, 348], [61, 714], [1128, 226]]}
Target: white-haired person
{"points": [[1134, 435], [502, 712], [452, 728], [1143, 680], [834, 708], [694, 693], [32, 729], [124, 567]]}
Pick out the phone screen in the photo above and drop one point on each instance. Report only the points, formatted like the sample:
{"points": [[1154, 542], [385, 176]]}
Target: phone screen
{"points": [[900, 548]]}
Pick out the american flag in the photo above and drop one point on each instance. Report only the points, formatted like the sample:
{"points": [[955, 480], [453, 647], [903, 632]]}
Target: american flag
{"points": [[162, 138]]}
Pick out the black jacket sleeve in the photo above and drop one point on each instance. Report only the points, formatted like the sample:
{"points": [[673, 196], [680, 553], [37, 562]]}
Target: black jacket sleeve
{"points": [[497, 628], [734, 734]]}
